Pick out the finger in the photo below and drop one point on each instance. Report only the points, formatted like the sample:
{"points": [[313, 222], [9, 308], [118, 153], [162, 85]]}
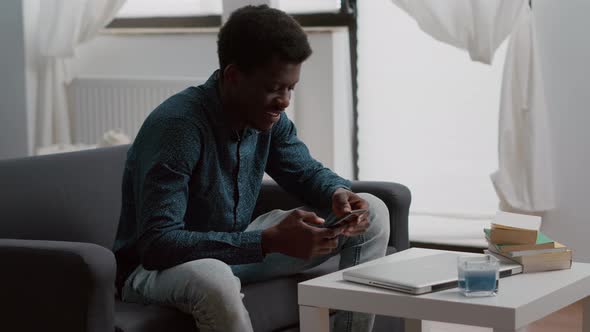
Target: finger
{"points": [[327, 246], [359, 219], [353, 234], [329, 233], [357, 202], [354, 222], [330, 243], [323, 251], [340, 204], [362, 225], [365, 216], [309, 217], [347, 233], [359, 230], [356, 230]]}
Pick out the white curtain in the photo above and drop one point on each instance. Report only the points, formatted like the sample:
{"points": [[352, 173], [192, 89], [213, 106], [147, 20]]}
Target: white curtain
{"points": [[63, 24], [524, 180]]}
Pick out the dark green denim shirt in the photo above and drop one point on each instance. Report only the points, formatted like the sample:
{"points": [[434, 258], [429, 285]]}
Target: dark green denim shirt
{"points": [[190, 183]]}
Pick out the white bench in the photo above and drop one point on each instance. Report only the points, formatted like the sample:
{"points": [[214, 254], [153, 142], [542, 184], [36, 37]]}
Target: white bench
{"points": [[447, 233]]}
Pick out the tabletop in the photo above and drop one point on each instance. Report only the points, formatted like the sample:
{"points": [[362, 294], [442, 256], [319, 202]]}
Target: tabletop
{"points": [[521, 298]]}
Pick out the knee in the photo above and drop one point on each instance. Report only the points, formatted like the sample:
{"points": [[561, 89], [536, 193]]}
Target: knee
{"points": [[211, 293], [378, 216], [211, 279]]}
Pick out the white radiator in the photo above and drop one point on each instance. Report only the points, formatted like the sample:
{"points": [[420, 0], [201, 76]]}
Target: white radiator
{"points": [[99, 104]]}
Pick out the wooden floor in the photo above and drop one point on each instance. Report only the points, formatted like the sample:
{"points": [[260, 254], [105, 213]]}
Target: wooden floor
{"points": [[568, 319]]}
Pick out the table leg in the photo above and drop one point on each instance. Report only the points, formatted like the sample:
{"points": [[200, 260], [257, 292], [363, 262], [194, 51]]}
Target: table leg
{"points": [[313, 319], [414, 325], [586, 314]]}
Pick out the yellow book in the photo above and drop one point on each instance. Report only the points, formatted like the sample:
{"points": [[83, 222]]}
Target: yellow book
{"points": [[503, 234]]}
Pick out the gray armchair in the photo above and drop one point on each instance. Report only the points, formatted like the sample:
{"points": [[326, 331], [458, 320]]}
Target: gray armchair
{"points": [[59, 219]]}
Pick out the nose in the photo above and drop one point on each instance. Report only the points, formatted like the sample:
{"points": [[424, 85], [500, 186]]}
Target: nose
{"points": [[284, 99]]}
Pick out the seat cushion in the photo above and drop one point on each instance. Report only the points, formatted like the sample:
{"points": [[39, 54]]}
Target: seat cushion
{"points": [[131, 317], [267, 313]]}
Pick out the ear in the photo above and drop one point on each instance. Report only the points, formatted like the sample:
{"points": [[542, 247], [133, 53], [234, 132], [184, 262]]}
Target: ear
{"points": [[231, 74]]}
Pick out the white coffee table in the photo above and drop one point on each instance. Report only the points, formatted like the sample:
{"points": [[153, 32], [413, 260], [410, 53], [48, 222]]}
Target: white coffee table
{"points": [[522, 299]]}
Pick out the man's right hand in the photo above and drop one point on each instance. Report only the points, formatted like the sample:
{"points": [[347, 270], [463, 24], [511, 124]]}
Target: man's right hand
{"points": [[294, 236]]}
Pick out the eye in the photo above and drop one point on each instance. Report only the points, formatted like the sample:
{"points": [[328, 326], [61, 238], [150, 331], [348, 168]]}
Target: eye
{"points": [[280, 88], [273, 87]]}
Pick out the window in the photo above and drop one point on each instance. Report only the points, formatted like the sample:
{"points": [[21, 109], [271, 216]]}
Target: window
{"points": [[207, 13], [172, 8], [428, 115], [308, 6], [169, 8]]}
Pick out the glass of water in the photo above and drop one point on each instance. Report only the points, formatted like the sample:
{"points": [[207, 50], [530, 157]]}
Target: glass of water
{"points": [[478, 275]]}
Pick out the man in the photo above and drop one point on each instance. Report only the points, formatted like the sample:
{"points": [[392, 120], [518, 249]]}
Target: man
{"points": [[193, 174]]}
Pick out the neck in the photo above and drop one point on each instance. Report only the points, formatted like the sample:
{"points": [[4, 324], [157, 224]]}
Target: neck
{"points": [[230, 108]]}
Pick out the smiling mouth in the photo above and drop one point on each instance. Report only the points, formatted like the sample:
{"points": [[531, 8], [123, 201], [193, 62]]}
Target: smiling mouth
{"points": [[276, 114]]}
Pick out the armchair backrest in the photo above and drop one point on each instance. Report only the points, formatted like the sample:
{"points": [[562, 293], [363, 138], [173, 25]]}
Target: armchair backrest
{"points": [[72, 196], [76, 196]]}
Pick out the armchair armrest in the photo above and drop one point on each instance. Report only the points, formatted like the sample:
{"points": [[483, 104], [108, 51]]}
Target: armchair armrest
{"points": [[57, 286], [397, 197]]}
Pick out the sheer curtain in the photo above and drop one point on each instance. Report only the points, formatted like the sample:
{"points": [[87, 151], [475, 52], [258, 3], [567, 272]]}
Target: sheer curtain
{"points": [[63, 24], [524, 179]]}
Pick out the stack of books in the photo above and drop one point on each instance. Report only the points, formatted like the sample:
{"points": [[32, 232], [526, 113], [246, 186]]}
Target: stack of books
{"points": [[532, 249]]}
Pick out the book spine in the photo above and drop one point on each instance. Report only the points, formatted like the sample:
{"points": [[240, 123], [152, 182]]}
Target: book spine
{"points": [[547, 266], [534, 252]]}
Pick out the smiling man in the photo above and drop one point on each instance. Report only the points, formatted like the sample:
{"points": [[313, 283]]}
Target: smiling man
{"points": [[186, 237]]}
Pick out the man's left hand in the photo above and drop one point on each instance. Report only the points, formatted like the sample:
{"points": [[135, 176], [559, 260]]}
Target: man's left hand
{"points": [[344, 201]]}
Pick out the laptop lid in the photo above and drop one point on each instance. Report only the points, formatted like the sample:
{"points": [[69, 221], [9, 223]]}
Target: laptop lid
{"points": [[418, 275]]}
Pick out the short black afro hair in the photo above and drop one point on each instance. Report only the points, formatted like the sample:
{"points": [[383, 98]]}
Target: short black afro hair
{"points": [[253, 35]]}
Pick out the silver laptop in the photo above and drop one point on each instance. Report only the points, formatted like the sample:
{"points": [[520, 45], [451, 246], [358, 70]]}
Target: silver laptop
{"points": [[418, 275]]}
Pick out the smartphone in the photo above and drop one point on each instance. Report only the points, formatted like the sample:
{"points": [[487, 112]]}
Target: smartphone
{"points": [[347, 217]]}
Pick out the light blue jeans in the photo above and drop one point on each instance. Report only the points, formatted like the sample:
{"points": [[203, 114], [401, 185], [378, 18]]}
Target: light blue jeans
{"points": [[209, 289]]}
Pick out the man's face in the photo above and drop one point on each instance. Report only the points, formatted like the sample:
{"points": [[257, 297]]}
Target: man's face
{"points": [[262, 94]]}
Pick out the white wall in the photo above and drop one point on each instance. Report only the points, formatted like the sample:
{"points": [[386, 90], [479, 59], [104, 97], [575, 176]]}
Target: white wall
{"points": [[564, 36], [13, 98], [323, 102]]}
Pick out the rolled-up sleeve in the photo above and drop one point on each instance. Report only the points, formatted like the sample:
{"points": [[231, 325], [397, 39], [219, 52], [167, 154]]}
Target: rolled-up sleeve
{"points": [[291, 165]]}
